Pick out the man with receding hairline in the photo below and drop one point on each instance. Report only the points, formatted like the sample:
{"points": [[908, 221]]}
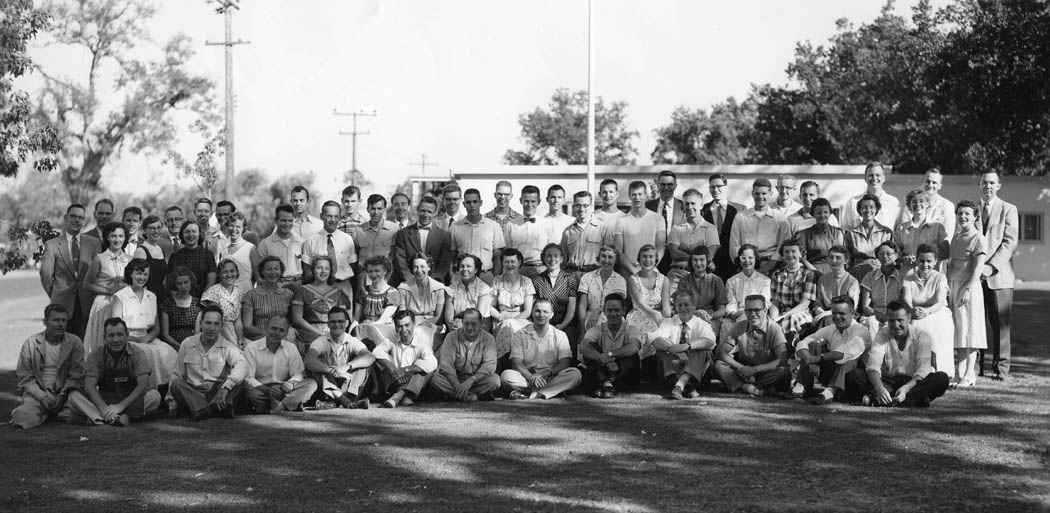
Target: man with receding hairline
{"points": [[117, 381], [502, 213], [466, 362], [540, 359], [275, 381], [50, 372]]}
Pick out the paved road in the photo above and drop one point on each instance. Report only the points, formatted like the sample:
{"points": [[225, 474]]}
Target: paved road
{"points": [[22, 303]]}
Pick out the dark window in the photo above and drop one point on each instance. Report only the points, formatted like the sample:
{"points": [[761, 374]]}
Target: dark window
{"points": [[1032, 227]]}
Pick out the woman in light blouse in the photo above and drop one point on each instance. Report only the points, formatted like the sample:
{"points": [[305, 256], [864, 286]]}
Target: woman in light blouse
{"points": [[747, 282], [425, 297], [513, 295], [468, 291], [595, 286], [866, 237], [138, 307], [559, 287], [228, 295], [105, 277]]}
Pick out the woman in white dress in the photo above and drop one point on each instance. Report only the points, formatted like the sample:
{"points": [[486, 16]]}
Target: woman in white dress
{"points": [[747, 282], [513, 295], [104, 278], [228, 295], [966, 258], [597, 284], [649, 293], [138, 307], [237, 249], [926, 290]]}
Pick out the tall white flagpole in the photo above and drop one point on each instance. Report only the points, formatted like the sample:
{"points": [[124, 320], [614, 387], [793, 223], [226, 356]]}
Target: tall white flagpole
{"points": [[590, 96]]}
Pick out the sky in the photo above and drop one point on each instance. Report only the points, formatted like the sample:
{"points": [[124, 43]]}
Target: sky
{"points": [[449, 79]]}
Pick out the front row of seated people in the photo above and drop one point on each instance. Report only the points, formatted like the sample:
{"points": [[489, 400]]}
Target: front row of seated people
{"points": [[213, 377]]}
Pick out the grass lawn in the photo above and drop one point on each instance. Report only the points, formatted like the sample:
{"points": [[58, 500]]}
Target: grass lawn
{"points": [[987, 448]]}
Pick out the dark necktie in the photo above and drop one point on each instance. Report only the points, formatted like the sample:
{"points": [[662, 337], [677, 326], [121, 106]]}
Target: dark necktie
{"points": [[74, 252], [684, 337], [331, 255], [719, 217], [986, 212], [667, 218]]}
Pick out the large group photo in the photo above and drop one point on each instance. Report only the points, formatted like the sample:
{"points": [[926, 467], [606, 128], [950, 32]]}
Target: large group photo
{"points": [[779, 309]]}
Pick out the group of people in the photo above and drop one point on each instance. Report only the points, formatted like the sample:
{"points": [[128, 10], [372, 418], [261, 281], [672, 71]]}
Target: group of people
{"points": [[883, 305]]}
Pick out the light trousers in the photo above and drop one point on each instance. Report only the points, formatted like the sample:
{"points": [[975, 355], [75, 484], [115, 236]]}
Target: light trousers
{"points": [[264, 397], [141, 407], [196, 399], [31, 413], [559, 383], [335, 388], [444, 389]]}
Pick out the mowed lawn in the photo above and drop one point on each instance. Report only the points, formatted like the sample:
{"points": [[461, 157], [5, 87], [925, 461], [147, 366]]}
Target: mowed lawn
{"points": [[986, 448]]}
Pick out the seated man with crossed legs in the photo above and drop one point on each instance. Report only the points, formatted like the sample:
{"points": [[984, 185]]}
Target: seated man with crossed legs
{"points": [[466, 362], [540, 359], [610, 351], [116, 380], [753, 355], [340, 363], [275, 380], [683, 346], [403, 366]]}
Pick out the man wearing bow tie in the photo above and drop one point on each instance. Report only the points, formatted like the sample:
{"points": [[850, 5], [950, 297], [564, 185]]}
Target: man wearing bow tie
{"points": [[526, 234], [65, 263], [422, 238], [999, 226]]}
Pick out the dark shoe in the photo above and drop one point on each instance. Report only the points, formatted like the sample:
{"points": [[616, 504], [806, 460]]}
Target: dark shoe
{"points": [[609, 392], [345, 402], [322, 405], [362, 404], [227, 413]]}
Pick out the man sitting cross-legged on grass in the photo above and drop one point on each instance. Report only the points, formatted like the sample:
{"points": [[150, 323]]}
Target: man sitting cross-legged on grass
{"points": [[899, 369], [208, 370], [753, 356], [466, 362], [50, 369], [831, 352], [610, 351], [683, 345], [404, 365], [116, 380], [275, 372], [340, 364], [540, 359]]}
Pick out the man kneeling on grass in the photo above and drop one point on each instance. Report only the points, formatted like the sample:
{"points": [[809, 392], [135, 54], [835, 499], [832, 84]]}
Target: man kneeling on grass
{"points": [[275, 372], [540, 359], [50, 372], [403, 366], [340, 363], [753, 356], [610, 351], [831, 353], [466, 362], [208, 370], [899, 369], [117, 381], [683, 345]]}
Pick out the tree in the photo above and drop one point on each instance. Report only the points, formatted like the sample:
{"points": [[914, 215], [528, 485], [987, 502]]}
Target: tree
{"points": [[356, 177], [789, 129], [21, 137], [558, 135], [109, 32], [696, 137]]}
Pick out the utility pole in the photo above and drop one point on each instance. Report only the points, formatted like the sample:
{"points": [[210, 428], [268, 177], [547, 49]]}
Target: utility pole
{"points": [[353, 137], [226, 8], [590, 96], [423, 163]]}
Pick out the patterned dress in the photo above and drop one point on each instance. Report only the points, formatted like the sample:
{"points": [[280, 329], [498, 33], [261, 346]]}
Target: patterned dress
{"points": [[266, 302], [559, 293], [182, 321], [653, 298], [595, 289], [316, 300], [229, 300], [110, 267], [510, 298]]}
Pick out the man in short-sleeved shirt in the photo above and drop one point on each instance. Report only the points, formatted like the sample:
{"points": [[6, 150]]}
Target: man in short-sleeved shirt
{"points": [[375, 237], [753, 355], [283, 243], [638, 228], [760, 226], [683, 346], [208, 370], [610, 351], [116, 380], [477, 235], [831, 352], [541, 359], [582, 239], [340, 363], [695, 231], [275, 379], [466, 362]]}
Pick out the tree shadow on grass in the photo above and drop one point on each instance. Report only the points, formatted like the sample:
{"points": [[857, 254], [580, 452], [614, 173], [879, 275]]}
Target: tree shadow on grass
{"points": [[973, 450]]}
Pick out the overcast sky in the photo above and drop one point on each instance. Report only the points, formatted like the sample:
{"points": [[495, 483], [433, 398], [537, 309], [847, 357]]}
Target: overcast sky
{"points": [[450, 78]]}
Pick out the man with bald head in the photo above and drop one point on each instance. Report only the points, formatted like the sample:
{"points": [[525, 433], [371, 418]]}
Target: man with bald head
{"points": [[785, 204], [466, 362]]}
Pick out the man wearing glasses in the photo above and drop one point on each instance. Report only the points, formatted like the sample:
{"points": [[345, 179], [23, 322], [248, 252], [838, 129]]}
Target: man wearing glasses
{"points": [[503, 214], [670, 208], [753, 357], [721, 213]]}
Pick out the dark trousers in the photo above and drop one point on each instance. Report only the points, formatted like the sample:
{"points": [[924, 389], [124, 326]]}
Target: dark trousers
{"points": [[997, 306], [926, 390], [626, 377], [387, 385], [831, 374]]}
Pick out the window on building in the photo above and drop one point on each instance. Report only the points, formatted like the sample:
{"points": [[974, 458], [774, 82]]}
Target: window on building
{"points": [[1031, 227]]}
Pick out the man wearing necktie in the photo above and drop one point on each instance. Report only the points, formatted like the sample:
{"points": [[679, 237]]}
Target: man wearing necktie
{"points": [[999, 224], [671, 209], [334, 243], [63, 266], [526, 234], [684, 361], [721, 213], [173, 219], [422, 238]]}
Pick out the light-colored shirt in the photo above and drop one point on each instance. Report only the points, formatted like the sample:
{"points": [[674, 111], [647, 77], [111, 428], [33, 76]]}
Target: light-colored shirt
{"points": [[609, 218], [265, 367], [307, 226], [467, 358], [581, 242], [50, 371], [200, 368], [527, 237], [801, 220], [540, 353], [910, 236], [755, 345], [481, 239], [633, 232], [445, 221], [787, 210], [942, 210], [766, 230], [138, 314], [402, 355], [888, 214], [698, 333], [555, 225], [665, 209], [373, 241], [289, 250], [336, 353], [739, 286], [600, 339], [915, 360], [345, 252], [851, 342], [689, 236]]}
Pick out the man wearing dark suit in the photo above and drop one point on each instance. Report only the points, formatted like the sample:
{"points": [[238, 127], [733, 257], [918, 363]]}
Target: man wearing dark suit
{"points": [[721, 212], [104, 210], [999, 224], [669, 207], [422, 237], [65, 263]]}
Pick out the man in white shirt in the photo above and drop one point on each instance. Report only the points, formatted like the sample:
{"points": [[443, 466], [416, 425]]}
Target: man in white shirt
{"points": [[540, 359], [785, 204], [556, 221], [683, 346], [275, 380], [760, 226], [831, 353], [899, 367], [941, 209], [403, 366], [875, 177], [479, 236], [639, 227], [304, 225], [528, 234], [208, 370], [341, 364], [283, 243], [334, 243], [802, 218], [694, 231], [581, 240], [451, 200], [609, 193], [467, 362]]}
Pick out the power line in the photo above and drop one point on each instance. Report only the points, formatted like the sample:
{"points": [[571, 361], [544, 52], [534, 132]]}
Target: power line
{"points": [[353, 137], [423, 163], [226, 8]]}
